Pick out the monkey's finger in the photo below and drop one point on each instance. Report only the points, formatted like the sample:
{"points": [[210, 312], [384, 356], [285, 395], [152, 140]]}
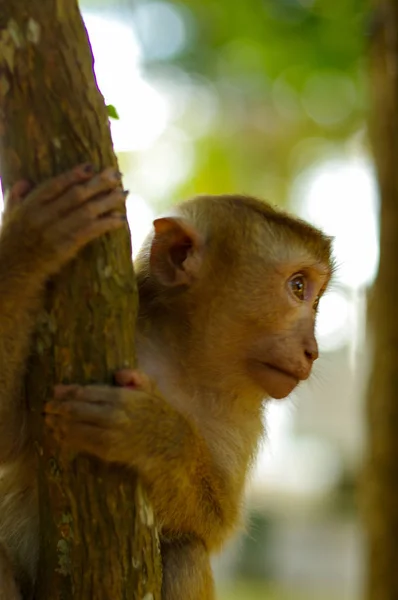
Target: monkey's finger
{"points": [[62, 392], [103, 415], [76, 197], [94, 210], [54, 423], [133, 378], [101, 205], [98, 228], [54, 407], [88, 393], [64, 243], [57, 427], [52, 188], [68, 393], [70, 242], [17, 193]]}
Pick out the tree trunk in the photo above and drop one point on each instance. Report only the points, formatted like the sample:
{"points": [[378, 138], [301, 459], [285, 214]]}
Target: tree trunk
{"points": [[381, 474], [98, 538]]}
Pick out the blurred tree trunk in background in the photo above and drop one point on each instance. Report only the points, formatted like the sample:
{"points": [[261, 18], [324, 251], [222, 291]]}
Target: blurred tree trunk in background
{"points": [[98, 538], [381, 473]]}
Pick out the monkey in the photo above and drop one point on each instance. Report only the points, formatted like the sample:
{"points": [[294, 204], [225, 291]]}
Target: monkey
{"points": [[228, 288]]}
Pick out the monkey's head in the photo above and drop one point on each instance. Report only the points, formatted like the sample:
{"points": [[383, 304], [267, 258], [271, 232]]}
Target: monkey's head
{"points": [[230, 287]]}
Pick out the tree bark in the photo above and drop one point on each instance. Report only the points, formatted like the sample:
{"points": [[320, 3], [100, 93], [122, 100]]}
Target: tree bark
{"points": [[98, 537], [381, 473]]}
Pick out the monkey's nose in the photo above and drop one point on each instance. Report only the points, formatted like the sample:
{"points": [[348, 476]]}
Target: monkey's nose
{"points": [[311, 350]]}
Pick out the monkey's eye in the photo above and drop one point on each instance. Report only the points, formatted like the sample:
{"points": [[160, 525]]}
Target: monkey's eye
{"points": [[297, 286]]}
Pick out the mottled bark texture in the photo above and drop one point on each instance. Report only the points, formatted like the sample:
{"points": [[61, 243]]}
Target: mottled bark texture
{"points": [[381, 474], [98, 539]]}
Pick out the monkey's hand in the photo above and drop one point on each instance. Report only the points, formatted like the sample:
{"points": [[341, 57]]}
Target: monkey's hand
{"points": [[137, 427], [46, 227], [98, 419]]}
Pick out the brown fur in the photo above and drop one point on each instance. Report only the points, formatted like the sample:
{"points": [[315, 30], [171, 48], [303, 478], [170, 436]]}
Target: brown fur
{"points": [[8, 587], [215, 311]]}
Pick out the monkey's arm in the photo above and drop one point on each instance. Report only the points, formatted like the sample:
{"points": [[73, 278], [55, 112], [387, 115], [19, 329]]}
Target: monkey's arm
{"points": [[42, 230], [138, 428]]}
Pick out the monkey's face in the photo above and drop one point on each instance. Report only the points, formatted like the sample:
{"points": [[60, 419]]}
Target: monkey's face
{"points": [[257, 335], [284, 348], [241, 308]]}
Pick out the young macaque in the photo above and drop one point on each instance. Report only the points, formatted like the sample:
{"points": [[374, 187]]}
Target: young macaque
{"points": [[229, 289]]}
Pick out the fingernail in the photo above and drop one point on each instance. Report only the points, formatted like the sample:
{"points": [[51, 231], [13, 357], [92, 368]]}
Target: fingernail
{"points": [[117, 174], [123, 217], [87, 168], [126, 193], [21, 189]]}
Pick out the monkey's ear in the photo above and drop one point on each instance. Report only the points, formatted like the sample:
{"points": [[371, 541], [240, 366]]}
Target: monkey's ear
{"points": [[176, 251]]}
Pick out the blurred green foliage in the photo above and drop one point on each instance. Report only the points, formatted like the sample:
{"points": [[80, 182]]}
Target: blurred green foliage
{"points": [[281, 83], [284, 72], [251, 591]]}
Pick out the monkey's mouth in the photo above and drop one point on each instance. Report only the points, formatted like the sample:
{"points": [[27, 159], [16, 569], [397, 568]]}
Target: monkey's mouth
{"points": [[275, 381], [283, 371]]}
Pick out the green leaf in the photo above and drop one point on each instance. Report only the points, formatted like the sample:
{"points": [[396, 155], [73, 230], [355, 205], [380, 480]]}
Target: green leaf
{"points": [[112, 112]]}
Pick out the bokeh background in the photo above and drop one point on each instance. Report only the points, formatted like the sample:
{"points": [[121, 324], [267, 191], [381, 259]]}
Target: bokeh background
{"points": [[265, 97]]}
